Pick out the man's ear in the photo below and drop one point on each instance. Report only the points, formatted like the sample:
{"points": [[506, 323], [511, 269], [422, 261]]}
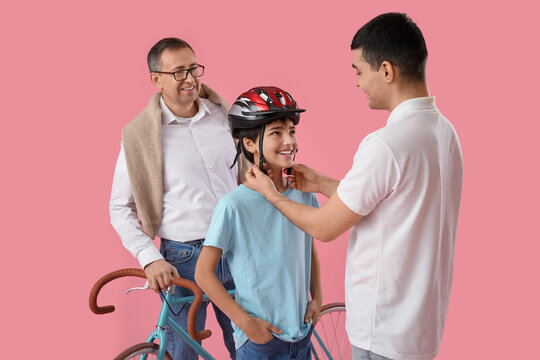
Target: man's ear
{"points": [[388, 71], [156, 80], [250, 145]]}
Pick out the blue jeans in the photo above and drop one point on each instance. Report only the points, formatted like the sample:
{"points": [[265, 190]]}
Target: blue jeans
{"points": [[184, 257], [361, 354], [276, 349]]}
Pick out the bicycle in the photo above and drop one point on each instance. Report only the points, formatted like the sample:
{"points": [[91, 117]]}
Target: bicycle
{"points": [[329, 340]]}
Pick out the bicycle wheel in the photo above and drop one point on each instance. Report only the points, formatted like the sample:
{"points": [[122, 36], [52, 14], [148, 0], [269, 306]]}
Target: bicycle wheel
{"points": [[332, 334], [137, 351]]}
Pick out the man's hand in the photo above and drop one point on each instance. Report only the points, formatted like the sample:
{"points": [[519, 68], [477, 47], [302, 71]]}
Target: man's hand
{"points": [[313, 311], [160, 274], [260, 331], [259, 181], [306, 179]]}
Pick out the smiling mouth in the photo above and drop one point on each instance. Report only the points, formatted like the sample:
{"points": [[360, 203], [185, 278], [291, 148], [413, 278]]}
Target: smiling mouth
{"points": [[286, 153], [189, 88]]}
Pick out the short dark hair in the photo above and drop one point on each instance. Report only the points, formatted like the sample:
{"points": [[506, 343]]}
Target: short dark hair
{"points": [[251, 134], [395, 38], [154, 55]]}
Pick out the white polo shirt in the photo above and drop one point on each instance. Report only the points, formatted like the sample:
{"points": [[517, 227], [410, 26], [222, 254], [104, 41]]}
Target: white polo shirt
{"points": [[406, 182]]}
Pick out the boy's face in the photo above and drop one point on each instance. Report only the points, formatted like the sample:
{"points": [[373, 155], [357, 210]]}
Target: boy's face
{"points": [[372, 82], [279, 145]]}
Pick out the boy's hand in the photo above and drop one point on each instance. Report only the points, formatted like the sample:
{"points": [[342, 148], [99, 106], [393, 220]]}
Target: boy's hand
{"points": [[313, 311], [260, 331]]}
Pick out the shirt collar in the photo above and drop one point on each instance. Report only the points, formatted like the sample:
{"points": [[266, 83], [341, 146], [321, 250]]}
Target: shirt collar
{"points": [[167, 116], [419, 103]]}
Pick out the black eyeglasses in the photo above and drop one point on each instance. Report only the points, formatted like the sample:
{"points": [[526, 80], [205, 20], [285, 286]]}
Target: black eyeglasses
{"points": [[180, 75]]}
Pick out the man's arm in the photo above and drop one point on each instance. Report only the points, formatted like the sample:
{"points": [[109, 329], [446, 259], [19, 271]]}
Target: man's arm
{"points": [[325, 223], [123, 212], [315, 287], [257, 330]]}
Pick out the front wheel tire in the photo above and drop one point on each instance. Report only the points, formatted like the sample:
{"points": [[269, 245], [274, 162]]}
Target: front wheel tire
{"points": [[136, 352]]}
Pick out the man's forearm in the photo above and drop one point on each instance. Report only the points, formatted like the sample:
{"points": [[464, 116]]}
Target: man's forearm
{"points": [[328, 186], [307, 218], [123, 212], [325, 223]]}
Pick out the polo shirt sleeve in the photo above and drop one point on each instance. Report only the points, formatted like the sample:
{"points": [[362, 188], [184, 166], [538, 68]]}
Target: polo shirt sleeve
{"points": [[372, 178], [220, 231]]}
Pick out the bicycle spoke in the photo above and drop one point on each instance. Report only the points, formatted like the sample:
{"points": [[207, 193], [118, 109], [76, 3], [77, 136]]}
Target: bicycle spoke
{"points": [[335, 334], [343, 338], [332, 334], [328, 344]]}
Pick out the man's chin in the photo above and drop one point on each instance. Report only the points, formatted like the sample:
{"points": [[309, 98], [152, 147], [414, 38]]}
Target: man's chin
{"points": [[374, 106], [187, 98]]}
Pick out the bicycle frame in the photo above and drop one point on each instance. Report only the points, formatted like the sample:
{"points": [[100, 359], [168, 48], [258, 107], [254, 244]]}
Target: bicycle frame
{"points": [[192, 335], [323, 347], [165, 319]]}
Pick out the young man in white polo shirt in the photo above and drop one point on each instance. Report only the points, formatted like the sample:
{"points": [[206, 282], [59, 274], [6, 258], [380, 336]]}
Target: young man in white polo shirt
{"points": [[400, 199]]}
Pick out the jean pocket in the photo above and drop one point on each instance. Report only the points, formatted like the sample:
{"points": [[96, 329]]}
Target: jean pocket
{"points": [[179, 253], [265, 344], [270, 350]]}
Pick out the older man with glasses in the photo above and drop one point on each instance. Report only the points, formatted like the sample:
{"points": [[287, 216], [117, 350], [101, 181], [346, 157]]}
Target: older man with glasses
{"points": [[172, 169]]}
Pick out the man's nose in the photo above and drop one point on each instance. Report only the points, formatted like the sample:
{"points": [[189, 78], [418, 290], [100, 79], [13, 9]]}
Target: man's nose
{"points": [[188, 75]]}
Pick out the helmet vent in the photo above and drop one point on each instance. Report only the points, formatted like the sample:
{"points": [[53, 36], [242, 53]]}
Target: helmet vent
{"points": [[281, 99], [264, 97]]}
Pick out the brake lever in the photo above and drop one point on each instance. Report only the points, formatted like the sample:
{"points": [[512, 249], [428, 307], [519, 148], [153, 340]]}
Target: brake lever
{"points": [[145, 287]]}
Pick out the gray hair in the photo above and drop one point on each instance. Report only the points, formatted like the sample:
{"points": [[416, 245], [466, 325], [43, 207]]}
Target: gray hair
{"points": [[154, 55]]}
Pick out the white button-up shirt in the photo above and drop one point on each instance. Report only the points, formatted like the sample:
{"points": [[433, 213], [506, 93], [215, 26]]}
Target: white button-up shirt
{"points": [[406, 180], [197, 154]]}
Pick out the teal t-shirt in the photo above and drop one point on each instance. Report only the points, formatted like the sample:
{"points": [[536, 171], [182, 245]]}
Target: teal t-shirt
{"points": [[269, 257]]}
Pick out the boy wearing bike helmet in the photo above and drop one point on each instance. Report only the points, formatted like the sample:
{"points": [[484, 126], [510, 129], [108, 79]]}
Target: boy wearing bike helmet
{"points": [[273, 262]]}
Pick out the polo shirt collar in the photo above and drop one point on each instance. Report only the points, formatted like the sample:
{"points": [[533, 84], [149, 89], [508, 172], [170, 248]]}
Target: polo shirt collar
{"points": [[414, 104], [167, 116]]}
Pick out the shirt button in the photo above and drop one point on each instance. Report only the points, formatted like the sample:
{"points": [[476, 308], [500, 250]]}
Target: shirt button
{"points": [[209, 166]]}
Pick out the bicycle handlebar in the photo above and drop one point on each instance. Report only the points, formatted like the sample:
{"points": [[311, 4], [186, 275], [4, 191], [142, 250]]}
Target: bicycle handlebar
{"points": [[178, 281]]}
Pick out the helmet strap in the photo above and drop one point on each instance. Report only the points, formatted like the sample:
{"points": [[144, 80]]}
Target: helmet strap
{"points": [[289, 170], [261, 156], [238, 152]]}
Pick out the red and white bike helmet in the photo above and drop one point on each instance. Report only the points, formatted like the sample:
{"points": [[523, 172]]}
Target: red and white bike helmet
{"points": [[260, 106]]}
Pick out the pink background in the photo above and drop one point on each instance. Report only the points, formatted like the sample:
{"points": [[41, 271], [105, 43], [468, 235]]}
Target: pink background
{"points": [[74, 73]]}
